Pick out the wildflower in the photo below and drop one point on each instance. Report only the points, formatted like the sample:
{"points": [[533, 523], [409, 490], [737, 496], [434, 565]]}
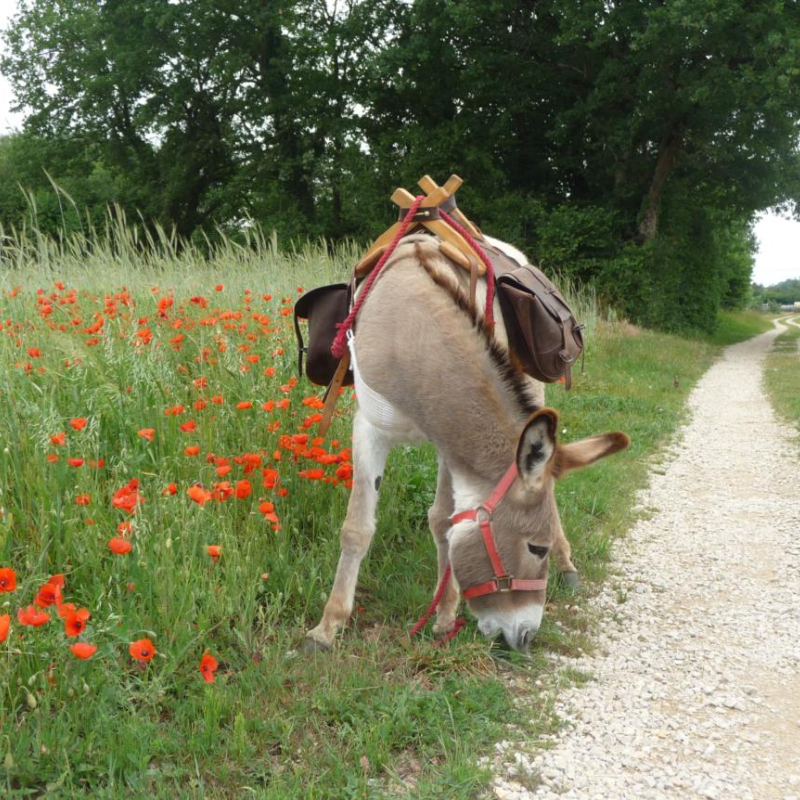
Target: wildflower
{"points": [[208, 666], [128, 497], [171, 488], [34, 352], [8, 579], [83, 650], [218, 399], [82, 500], [5, 624], [219, 287], [76, 462], [32, 616], [75, 622], [215, 551], [188, 427], [78, 423], [268, 510], [243, 489], [244, 405], [119, 546], [200, 495], [142, 650], [47, 595], [147, 433], [59, 439], [192, 450]]}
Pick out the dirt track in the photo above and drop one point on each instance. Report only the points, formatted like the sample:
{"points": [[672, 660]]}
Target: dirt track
{"points": [[696, 689]]}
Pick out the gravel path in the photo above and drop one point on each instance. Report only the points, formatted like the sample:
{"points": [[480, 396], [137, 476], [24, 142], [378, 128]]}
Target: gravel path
{"points": [[696, 689]]}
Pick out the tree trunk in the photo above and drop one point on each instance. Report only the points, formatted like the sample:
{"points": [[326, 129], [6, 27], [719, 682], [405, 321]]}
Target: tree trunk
{"points": [[667, 154]]}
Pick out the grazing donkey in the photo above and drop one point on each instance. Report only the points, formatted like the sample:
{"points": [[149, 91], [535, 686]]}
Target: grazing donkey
{"points": [[427, 368]]}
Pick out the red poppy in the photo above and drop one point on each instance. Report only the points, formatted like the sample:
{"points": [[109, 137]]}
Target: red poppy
{"points": [[223, 470], [171, 488], [76, 462], [219, 287], [188, 427], [59, 438], [244, 405], [124, 528], [142, 650], [83, 650], [83, 500], [32, 616], [192, 450], [47, 595], [8, 579], [79, 423], [208, 666], [75, 622], [147, 433], [270, 477], [5, 624], [243, 489], [120, 546], [215, 551], [200, 495], [128, 497]]}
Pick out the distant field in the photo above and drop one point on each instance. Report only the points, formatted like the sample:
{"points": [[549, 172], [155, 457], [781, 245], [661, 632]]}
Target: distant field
{"points": [[151, 402]]}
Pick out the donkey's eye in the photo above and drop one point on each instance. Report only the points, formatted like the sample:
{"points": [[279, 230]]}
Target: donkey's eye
{"points": [[536, 550]]}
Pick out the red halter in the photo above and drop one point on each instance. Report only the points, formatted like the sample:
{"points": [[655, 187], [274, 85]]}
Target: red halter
{"points": [[502, 582]]}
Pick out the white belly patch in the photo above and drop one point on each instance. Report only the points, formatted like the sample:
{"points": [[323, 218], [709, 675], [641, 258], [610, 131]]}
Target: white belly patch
{"points": [[375, 407]]}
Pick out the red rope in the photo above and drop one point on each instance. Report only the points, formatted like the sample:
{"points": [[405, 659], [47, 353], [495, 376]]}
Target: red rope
{"points": [[489, 313], [440, 590], [339, 343]]}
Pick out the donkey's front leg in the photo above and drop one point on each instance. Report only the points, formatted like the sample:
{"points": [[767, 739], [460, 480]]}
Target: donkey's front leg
{"points": [[370, 450], [439, 520]]}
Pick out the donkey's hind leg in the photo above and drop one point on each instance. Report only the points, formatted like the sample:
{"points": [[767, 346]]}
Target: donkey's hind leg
{"points": [[562, 553], [370, 450], [439, 520]]}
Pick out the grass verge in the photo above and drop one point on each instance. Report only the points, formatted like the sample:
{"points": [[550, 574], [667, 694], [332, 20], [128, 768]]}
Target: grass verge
{"points": [[182, 369], [782, 374]]}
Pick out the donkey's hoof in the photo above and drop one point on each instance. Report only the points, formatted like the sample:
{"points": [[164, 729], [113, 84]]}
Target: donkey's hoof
{"points": [[312, 645], [571, 580]]}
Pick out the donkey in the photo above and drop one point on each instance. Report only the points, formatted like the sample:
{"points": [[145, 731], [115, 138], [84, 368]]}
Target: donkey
{"points": [[427, 368]]}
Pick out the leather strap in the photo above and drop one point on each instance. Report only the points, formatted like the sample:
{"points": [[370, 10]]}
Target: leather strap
{"points": [[332, 394], [502, 581], [509, 585]]}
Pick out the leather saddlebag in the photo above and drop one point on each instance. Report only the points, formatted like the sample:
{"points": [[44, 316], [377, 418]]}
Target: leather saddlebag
{"points": [[542, 331], [324, 308]]}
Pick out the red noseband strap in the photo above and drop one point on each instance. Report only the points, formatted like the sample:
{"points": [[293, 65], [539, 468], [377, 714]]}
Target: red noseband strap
{"points": [[502, 582]]}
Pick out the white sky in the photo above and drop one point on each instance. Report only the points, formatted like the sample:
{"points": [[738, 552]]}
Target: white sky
{"points": [[778, 256]]}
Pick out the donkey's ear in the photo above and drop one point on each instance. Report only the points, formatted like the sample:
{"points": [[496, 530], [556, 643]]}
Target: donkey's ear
{"points": [[580, 454], [537, 443]]}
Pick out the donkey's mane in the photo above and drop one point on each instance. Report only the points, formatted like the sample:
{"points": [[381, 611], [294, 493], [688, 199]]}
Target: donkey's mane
{"points": [[508, 368]]}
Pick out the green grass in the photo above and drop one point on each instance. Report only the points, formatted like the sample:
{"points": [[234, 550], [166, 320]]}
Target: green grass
{"points": [[782, 374], [372, 718], [736, 326]]}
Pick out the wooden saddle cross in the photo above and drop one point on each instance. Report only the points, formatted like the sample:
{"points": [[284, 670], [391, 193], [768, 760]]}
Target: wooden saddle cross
{"points": [[453, 244]]}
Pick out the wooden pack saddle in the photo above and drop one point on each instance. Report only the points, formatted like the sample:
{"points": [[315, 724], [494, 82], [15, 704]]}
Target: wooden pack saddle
{"points": [[543, 334]]}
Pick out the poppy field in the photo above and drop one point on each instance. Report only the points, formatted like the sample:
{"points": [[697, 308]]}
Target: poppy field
{"points": [[169, 527]]}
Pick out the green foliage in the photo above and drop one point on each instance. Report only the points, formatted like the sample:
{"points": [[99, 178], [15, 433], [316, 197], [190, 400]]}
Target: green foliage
{"points": [[782, 293], [629, 145]]}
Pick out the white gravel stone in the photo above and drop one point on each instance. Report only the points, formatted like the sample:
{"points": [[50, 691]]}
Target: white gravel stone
{"points": [[697, 664]]}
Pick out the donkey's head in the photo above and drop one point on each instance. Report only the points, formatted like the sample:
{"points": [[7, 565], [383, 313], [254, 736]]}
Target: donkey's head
{"points": [[502, 566]]}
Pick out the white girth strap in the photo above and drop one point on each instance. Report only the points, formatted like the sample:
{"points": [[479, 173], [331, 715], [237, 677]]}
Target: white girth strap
{"points": [[375, 407]]}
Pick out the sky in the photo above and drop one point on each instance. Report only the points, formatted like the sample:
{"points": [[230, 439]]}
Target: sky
{"points": [[778, 256]]}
